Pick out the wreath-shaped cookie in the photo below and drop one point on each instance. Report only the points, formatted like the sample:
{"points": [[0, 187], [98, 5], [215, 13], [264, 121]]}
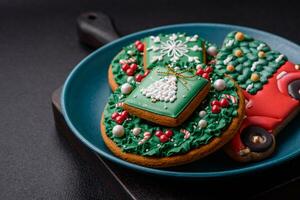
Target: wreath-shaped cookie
{"points": [[177, 112]]}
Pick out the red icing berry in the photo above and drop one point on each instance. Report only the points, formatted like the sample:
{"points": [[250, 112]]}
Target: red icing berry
{"points": [[140, 47], [146, 73], [205, 75], [139, 77], [208, 69], [125, 67], [224, 103], [158, 133], [137, 43], [129, 72], [114, 115], [169, 133], [215, 102], [124, 114], [133, 66], [163, 138], [215, 109], [119, 119], [199, 72]]}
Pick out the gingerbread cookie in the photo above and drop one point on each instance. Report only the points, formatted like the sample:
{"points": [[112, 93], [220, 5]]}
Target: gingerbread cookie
{"points": [[271, 86], [209, 126], [135, 60]]}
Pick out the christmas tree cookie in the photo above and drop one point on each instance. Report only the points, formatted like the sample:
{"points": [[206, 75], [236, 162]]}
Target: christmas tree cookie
{"points": [[271, 86], [167, 96], [168, 90], [178, 49]]}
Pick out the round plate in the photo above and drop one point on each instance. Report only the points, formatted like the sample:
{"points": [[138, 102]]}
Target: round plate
{"points": [[86, 90]]}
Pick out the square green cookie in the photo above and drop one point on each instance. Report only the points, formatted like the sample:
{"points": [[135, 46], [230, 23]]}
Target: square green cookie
{"points": [[164, 93], [174, 48]]}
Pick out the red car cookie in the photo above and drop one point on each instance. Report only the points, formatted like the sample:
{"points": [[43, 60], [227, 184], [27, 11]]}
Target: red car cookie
{"points": [[271, 86]]}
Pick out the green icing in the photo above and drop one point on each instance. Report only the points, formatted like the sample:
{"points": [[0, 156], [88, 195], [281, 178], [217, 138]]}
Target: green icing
{"points": [[131, 52], [173, 48], [249, 62], [187, 89], [128, 52], [216, 124]]}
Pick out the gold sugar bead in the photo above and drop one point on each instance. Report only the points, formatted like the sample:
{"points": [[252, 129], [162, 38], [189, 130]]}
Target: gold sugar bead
{"points": [[239, 36], [238, 53], [261, 54], [230, 68], [255, 77]]}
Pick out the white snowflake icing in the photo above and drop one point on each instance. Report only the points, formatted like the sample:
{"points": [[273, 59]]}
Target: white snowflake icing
{"points": [[164, 89], [174, 48]]}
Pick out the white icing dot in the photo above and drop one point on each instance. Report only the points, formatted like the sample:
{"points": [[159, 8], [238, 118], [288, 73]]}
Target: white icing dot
{"points": [[227, 60], [126, 88], [175, 144], [118, 130], [198, 66], [166, 107], [279, 58], [249, 87], [158, 145], [212, 50], [130, 79], [176, 68], [229, 43], [260, 46], [202, 123], [147, 149], [202, 113], [219, 84], [130, 52], [136, 131]]}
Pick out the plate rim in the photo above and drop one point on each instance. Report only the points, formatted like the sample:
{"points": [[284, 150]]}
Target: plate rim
{"points": [[162, 172]]}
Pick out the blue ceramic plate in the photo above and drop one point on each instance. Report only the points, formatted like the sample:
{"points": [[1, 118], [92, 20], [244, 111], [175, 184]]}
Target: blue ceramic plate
{"points": [[86, 90]]}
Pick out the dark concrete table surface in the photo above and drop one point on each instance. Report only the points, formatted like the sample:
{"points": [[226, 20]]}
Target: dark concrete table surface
{"points": [[39, 47]]}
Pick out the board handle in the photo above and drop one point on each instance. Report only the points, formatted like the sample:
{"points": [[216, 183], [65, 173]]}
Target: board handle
{"points": [[95, 29]]}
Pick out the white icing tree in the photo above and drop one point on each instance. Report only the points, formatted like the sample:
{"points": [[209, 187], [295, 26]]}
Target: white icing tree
{"points": [[164, 89]]}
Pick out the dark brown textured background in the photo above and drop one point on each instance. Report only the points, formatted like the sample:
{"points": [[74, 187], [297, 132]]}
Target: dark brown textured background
{"points": [[39, 47]]}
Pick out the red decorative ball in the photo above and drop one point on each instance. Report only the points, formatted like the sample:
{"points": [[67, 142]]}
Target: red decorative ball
{"points": [[114, 115], [130, 72], [158, 133], [163, 138], [119, 119], [133, 66], [146, 73], [205, 75], [199, 72], [169, 133], [124, 114], [208, 69], [137, 43], [139, 77], [215, 109], [140, 47], [215, 102], [125, 67], [224, 103]]}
